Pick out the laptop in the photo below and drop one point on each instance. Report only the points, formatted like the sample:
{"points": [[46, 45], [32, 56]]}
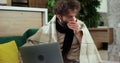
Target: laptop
{"points": [[43, 53]]}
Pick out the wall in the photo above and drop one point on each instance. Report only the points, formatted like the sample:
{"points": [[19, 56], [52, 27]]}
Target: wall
{"points": [[3, 2], [104, 19], [103, 6], [114, 22]]}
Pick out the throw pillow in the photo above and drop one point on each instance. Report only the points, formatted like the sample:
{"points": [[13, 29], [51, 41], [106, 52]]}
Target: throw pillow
{"points": [[9, 53]]}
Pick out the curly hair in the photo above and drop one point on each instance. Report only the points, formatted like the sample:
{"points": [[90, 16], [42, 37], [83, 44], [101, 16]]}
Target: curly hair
{"points": [[62, 6]]}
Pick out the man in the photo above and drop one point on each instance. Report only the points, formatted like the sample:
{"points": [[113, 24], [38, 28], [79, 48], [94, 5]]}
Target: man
{"points": [[72, 35]]}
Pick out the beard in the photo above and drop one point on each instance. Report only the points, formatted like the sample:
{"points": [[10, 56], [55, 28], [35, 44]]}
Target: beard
{"points": [[63, 23]]}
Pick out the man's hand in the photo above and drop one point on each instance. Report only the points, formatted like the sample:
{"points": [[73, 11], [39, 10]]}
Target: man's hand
{"points": [[74, 26]]}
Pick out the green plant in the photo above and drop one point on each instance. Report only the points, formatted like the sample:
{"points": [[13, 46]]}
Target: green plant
{"points": [[88, 13], [50, 6]]}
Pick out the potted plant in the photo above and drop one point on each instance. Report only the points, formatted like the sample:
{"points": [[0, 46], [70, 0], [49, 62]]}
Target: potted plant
{"points": [[88, 12], [50, 6]]}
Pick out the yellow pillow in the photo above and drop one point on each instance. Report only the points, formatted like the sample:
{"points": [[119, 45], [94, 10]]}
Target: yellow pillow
{"points": [[9, 53]]}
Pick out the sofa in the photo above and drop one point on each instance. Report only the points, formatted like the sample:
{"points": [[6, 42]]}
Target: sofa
{"points": [[9, 46], [20, 40]]}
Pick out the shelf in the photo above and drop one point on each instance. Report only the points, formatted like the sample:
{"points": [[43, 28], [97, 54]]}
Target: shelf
{"points": [[101, 35], [23, 4]]}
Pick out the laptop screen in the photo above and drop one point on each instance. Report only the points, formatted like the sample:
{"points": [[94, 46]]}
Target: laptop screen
{"points": [[43, 53]]}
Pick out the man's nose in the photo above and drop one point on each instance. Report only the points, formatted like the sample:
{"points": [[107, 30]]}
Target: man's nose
{"points": [[73, 19]]}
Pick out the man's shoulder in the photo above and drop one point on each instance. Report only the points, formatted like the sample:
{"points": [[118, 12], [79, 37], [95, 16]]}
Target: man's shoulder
{"points": [[48, 25], [80, 22]]}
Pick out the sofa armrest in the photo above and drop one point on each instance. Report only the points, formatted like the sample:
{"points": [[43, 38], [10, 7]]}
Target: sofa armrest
{"points": [[18, 39]]}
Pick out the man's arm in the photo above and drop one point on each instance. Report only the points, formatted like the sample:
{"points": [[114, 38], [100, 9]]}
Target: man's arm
{"points": [[79, 35], [76, 27]]}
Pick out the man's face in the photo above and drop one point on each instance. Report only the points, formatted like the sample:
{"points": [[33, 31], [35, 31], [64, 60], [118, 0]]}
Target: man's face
{"points": [[70, 16]]}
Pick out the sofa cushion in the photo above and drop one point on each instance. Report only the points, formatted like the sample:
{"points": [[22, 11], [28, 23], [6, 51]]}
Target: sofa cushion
{"points": [[9, 53]]}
